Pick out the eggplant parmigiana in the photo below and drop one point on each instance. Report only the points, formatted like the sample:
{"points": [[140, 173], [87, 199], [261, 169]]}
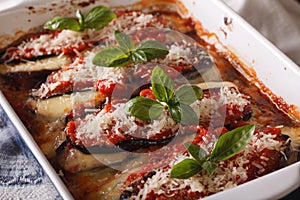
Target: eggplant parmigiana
{"points": [[137, 107]]}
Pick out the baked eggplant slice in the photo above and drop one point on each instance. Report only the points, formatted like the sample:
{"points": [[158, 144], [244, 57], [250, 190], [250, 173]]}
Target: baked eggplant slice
{"points": [[58, 106], [131, 145], [67, 42], [93, 180], [113, 187], [46, 64], [68, 156], [112, 126]]}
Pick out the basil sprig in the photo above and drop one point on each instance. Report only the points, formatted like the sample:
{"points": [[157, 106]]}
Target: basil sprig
{"points": [[96, 18], [177, 102], [228, 145], [127, 52]]}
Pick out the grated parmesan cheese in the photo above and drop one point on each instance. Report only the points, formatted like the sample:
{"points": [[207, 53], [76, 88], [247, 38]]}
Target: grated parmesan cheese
{"points": [[94, 127], [229, 174], [209, 107]]}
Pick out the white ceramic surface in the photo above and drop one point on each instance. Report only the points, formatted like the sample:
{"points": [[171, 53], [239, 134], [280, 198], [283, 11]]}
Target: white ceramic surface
{"points": [[273, 68]]}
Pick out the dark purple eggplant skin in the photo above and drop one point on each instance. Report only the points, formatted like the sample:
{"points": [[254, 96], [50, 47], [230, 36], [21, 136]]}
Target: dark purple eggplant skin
{"points": [[125, 145]]}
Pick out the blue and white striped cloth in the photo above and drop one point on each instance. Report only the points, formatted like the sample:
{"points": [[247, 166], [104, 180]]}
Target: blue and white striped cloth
{"points": [[21, 176]]}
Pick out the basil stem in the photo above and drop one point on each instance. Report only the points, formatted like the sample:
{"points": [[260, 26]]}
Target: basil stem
{"points": [[209, 166]]}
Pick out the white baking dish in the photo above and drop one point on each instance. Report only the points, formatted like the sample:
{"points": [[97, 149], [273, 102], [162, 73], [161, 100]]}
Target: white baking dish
{"points": [[271, 66]]}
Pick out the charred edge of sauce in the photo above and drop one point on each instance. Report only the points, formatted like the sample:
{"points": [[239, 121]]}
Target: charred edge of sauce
{"points": [[126, 194], [249, 73], [228, 21], [86, 3], [247, 115]]}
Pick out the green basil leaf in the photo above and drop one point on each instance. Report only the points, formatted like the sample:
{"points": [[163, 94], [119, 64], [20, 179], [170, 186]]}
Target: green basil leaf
{"points": [[121, 61], [144, 108], [98, 17], [185, 169], [183, 114], [187, 94], [197, 152], [232, 143], [61, 23], [176, 112], [110, 57], [153, 49], [209, 166], [80, 17], [125, 42], [138, 56], [162, 85]]}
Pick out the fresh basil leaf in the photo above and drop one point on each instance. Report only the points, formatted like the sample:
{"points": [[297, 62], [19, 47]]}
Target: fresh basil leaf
{"points": [[183, 114], [61, 23], [153, 49], [189, 116], [197, 152], [121, 61], [80, 18], [232, 143], [110, 56], [125, 42], [176, 112], [187, 94], [185, 169], [144, 108], [162, 85], [138, 56], [98, 17], [209, 166]]}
